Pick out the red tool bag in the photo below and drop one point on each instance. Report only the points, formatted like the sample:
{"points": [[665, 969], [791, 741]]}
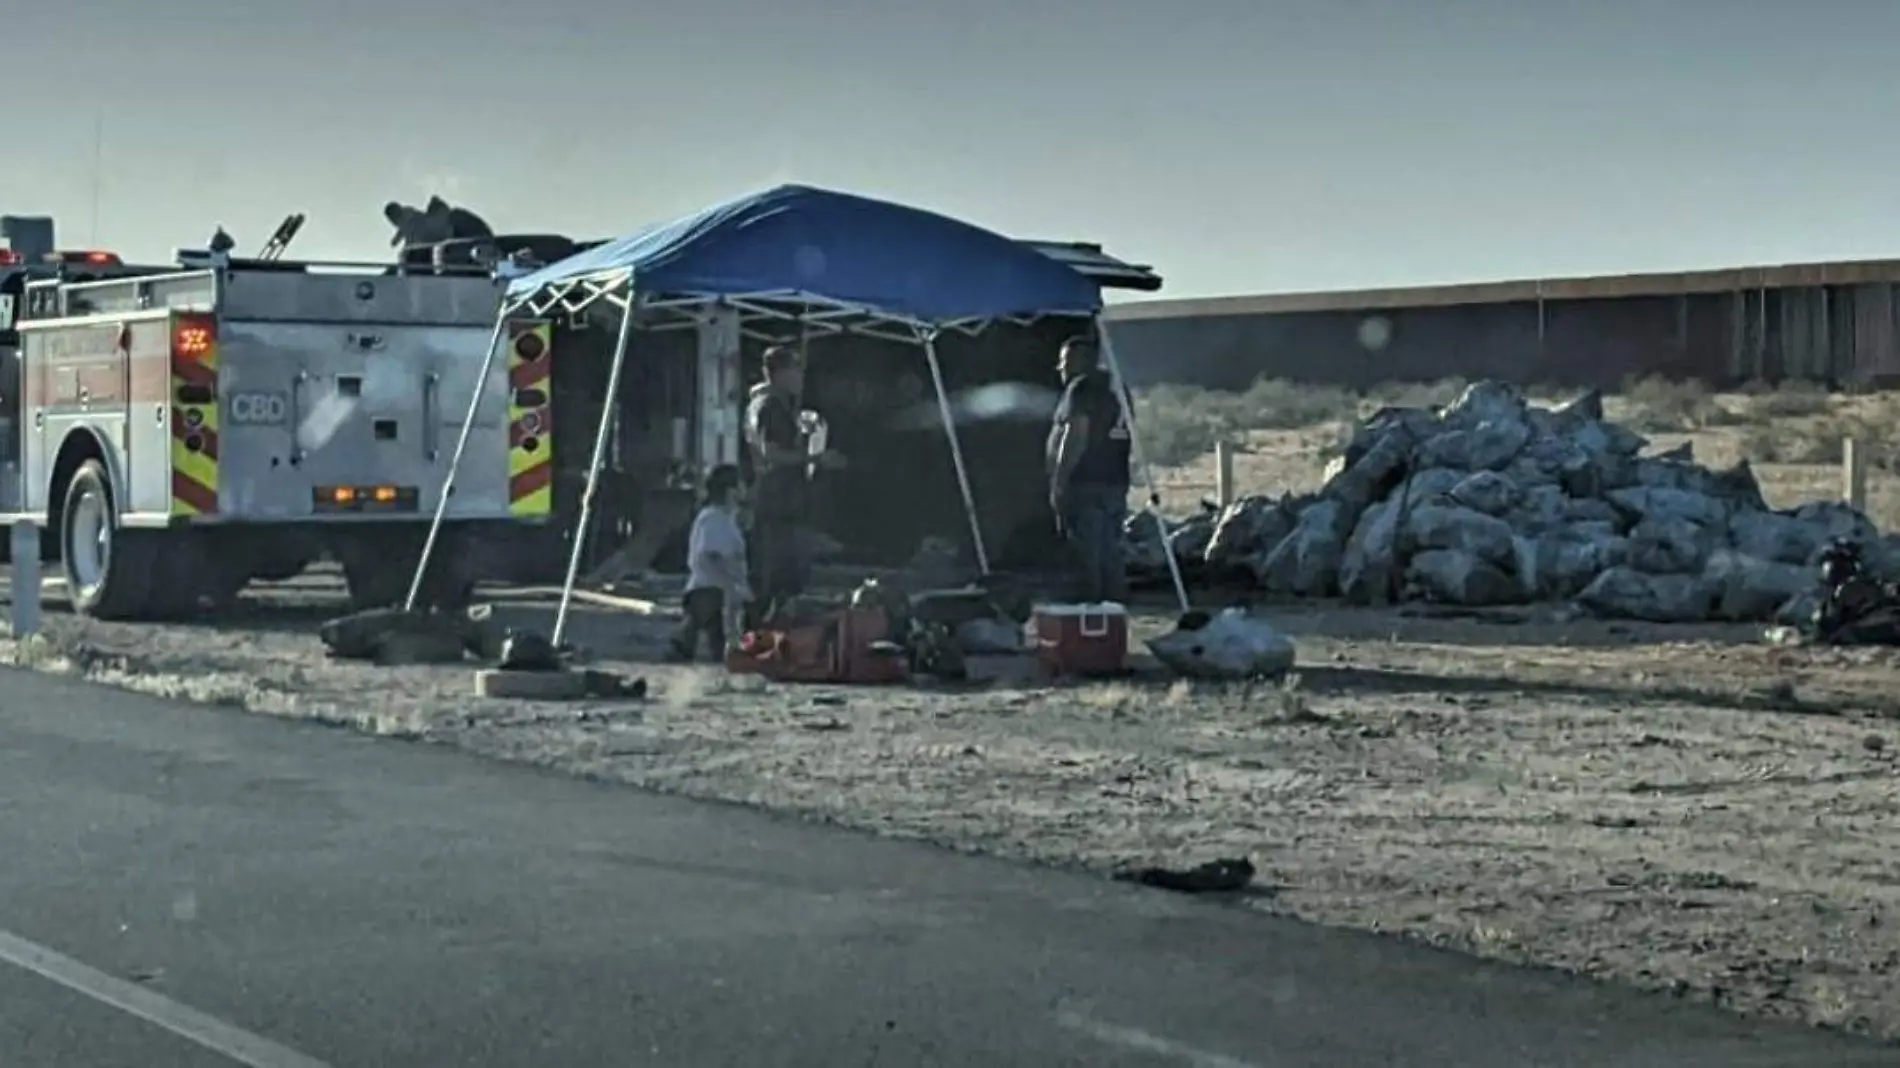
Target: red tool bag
{"points": [[839, 648]]}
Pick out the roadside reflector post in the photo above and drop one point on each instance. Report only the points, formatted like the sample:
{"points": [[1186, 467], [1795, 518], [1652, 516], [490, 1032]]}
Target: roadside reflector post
{"points": [[1854, 474], [1224, 472], [25, 594]]}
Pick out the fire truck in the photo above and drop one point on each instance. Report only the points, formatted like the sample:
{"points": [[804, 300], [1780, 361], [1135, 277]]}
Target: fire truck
{"points": [[179, 431]]}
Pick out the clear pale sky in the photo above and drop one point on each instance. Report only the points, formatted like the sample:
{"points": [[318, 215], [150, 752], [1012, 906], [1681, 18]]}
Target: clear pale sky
{"points": [[1240, 147]]}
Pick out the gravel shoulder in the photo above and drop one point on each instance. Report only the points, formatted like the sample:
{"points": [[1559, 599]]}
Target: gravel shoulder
{"points": [[1682, 808]]}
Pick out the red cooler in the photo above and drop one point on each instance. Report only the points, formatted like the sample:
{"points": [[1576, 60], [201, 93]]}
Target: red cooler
{"points": [[1082, 639]]}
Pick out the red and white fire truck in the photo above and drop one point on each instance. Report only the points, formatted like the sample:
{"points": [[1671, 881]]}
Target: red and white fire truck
{"points": [[181, 430]]}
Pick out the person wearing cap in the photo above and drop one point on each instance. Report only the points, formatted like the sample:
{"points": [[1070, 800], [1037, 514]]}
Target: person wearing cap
{"points": [[716, 584], [1088, 455], [782, 461]]}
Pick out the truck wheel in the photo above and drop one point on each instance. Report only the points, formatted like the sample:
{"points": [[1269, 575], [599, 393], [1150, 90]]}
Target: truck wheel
{"points": [[108, 570]]}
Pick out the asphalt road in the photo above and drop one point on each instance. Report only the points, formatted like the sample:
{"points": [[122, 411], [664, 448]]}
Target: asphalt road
{"points": [[176, 881]]}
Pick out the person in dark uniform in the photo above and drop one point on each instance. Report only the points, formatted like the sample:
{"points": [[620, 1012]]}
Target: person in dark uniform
{"points": [[781, 471], [1088, 456]]}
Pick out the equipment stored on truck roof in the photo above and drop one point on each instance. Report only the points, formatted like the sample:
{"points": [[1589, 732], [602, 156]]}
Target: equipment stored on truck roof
{"points": [[182, 430]]}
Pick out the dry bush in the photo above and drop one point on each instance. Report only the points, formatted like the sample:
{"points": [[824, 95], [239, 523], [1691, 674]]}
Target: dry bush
{"points": [[1654, 404], [1785, 400], [1182, 423], [1179, 424], [1444, 391], [1779, 443], [1822, 441], [1872, 431], [1277, 404], [1416, 394]]}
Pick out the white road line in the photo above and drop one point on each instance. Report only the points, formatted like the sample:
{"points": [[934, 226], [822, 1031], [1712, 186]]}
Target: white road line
{"points": [[213, 1034], [1136, 1039]]}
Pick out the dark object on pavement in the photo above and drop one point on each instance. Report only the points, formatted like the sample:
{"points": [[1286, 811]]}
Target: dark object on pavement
{"points": [[393, 636], [1855, 608], [1223, 876], [609, 684], [528, 652]]}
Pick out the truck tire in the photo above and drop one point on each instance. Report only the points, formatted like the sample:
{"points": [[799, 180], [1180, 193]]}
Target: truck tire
{"points": [[108, 569]]}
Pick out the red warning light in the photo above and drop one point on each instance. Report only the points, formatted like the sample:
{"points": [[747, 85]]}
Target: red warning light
{"points": [[193, 336], [92, 258]]}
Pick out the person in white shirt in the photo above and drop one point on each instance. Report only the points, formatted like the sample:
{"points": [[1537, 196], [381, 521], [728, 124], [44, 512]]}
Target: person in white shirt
{"points": [[716, 586]]}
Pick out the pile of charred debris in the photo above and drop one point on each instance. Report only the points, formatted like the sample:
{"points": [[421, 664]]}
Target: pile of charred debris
{"points": [[1495, 501]]}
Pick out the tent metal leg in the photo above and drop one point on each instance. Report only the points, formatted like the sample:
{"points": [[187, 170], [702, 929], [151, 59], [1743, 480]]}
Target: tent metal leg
{"points": [[601, 436], [455, 461], [956, 454], [1141, 461]]}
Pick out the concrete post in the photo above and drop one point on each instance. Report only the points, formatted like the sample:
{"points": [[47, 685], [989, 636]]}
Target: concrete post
{"points": [[1854, 474], [1224, 472], [25, 593]]}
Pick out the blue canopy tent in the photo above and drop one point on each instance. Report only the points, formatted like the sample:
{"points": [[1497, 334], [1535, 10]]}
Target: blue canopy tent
{"points": [[818, 257], [890, 265]]}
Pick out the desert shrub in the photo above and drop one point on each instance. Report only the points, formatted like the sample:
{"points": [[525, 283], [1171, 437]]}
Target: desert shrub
{"points": [[1654, 404], [1771, 443], [1786, 400], [1415, 394], [1822, 441], [1182, 423], [1277, 404], [1179, 423], [1874, 433]]}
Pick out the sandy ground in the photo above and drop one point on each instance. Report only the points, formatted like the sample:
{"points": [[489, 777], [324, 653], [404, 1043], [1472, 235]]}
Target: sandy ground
{"points": [[1681, 808], [1684, 808]]}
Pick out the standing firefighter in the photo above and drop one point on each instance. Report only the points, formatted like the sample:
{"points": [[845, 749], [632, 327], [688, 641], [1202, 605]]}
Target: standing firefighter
{"points": [[1088, 461], [781, 471]]}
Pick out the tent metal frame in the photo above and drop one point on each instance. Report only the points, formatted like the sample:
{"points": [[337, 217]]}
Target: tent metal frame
{"points": [[821, 314]]}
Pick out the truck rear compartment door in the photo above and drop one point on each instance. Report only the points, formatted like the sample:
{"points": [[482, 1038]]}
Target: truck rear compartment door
{"points": [[316, 408]]}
